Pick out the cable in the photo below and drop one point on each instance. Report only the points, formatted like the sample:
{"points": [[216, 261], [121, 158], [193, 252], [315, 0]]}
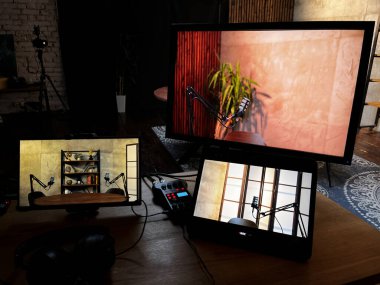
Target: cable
{"points": [[151, 215], [158, 174], [279, 223], [159, 178], [201, 262], [149, 178], [172, 175], [141, 234]]}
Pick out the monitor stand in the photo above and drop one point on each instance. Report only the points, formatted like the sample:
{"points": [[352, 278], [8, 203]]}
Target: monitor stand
{"points": [[82, 210]]}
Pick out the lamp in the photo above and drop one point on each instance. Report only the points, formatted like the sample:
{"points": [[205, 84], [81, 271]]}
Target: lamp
{"points": [[116, 190], [222, 118]]}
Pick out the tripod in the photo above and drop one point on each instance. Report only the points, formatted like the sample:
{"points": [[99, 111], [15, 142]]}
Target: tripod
{"points": [[43, 88]]}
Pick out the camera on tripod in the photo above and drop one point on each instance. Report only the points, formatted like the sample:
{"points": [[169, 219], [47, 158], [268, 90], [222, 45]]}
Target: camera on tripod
{"points": [[38, 43]]}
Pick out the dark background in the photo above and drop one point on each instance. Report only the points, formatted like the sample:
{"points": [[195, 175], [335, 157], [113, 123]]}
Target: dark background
{"points": [[102, 40]]}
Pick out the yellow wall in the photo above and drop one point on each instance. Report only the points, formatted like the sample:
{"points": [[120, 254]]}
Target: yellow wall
{"points": [[42, 158], [210, 191]]}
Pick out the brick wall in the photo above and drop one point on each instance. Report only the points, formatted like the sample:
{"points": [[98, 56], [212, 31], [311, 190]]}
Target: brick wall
{"points": [[18, 17]]}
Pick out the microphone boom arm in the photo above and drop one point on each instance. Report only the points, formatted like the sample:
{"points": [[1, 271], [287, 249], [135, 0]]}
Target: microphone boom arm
{"points": [[116, 178], [34, 178], [193, 95], [283, 208]]}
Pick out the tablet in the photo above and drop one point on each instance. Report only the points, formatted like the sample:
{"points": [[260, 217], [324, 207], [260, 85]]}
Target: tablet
{"points": [[261, 202]]}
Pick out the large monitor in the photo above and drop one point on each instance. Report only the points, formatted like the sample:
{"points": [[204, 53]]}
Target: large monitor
{"points": [[295, 88], [79, 174]]}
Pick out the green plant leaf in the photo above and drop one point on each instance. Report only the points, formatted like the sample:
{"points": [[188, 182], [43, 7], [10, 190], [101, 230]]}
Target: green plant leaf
{"points": [[232, 87]]}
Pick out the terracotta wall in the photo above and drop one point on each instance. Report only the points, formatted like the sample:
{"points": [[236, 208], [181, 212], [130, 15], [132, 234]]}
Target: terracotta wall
{"points": [[311, 80]]}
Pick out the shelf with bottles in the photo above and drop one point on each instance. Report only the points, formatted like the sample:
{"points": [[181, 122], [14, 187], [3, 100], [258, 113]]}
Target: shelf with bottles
{"points": [[80, 171]]}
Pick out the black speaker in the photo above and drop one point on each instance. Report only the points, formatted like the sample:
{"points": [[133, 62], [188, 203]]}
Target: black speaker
{"points": [[76, 255]]}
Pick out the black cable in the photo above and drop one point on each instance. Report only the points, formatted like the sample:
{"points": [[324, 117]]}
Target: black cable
{"points": [[172, 175], [150, 178], [201, 262], [159, 178], [279, 223], [253, 216], [158, 174], [141, 234], [151, 215]]}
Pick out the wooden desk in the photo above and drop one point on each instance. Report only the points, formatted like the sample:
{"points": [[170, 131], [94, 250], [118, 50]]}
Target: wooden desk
{"points": [[79, 198], [345, 248], [245, 137]]}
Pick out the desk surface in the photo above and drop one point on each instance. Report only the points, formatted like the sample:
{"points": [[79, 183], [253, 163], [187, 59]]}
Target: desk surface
{"points": [[79, 198], [345, 248]]}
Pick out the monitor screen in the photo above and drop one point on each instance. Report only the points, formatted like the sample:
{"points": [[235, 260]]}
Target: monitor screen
{"points": [[295, 88], [79, 173], [264, 201]]}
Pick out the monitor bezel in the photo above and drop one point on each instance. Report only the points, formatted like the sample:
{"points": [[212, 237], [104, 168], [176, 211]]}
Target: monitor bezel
{"points": [[357, 102]]}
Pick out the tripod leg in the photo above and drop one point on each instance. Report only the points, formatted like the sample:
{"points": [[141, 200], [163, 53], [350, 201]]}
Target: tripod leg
{"points": [[328, 173], [56, 92], [46, 98], [43, 95]]}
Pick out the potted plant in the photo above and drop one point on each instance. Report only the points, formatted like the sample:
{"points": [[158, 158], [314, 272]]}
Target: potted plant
{"points": [[228, 86]]}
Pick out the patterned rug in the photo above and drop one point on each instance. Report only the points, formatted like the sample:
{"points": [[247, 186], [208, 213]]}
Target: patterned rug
{"points": [[355, 187]]}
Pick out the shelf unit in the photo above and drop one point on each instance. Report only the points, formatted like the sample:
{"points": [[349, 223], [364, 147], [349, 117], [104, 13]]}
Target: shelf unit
{"points": [[373, 80], [80, 171]]}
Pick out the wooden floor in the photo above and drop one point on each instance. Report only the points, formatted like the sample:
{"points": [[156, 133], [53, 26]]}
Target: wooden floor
{"points": [[367, 145]]}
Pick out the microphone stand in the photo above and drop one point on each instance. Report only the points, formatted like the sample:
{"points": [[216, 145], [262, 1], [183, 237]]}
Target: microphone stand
{"points": [[283, 208], [34, 178], [115, 179]]}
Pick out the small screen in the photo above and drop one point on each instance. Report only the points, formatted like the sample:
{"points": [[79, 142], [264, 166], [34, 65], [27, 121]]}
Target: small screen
{"points": [[267, 198], [57, 173], [182, 194]]}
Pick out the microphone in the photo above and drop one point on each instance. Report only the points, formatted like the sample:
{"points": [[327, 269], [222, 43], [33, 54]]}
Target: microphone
{"points": [[255, 202], [51, 181], [107, 177], [243, 106]]}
